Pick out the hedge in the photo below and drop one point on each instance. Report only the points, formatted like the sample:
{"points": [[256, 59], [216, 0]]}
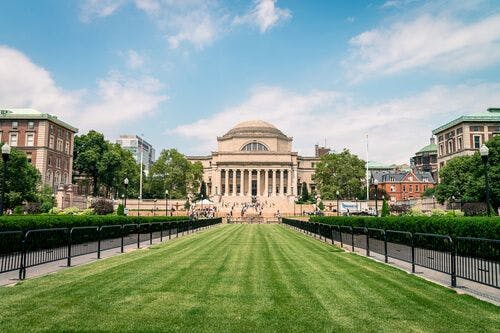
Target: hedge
{"points": [[482, 227], [31, 222]]}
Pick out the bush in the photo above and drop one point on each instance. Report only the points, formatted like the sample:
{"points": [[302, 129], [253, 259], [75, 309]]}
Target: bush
{"points": [[120, 210], [474, 208], [102, 207], [400, 209], [321, 205], [482, 227], [32, 208], [385, 209], [31, 222]]}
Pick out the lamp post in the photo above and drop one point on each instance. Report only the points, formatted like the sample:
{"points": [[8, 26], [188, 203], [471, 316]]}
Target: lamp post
{"points": [[338, 207], [166, 202], [138, 205], [375, 182], [5, 158], [125, 182], [484, 152]]}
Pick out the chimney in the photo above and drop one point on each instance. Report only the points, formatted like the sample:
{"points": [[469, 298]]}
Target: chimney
{"points": [[433, 140]]}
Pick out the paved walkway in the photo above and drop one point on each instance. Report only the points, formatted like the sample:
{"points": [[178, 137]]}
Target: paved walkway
{"points": [[478, 290], [11, 278]]}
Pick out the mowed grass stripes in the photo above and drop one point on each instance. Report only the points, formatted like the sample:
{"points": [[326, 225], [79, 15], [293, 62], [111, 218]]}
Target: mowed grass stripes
{"points": [[240, 278]]}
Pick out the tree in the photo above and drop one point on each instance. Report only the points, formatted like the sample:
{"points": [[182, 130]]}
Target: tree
{"points": [[343, 172], [463, 177], [386, 211], [22, 180], [429, 192], [203, 191], [87, 156], [304, 193], [173, 172]]}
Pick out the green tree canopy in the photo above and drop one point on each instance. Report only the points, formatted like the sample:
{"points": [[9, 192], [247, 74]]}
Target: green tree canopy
{"points": [[173, 172], [463, 177], [343, 172], [22, 181]]}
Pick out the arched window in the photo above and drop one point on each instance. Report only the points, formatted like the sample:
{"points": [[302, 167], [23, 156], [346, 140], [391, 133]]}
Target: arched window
{"points": [[254, 146]]}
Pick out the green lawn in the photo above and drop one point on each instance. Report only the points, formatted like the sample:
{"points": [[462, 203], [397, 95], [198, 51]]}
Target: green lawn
{"points": [[240, 278]]}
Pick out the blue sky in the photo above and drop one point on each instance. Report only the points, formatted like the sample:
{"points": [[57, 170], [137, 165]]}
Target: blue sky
{"points": [[183, 72]]}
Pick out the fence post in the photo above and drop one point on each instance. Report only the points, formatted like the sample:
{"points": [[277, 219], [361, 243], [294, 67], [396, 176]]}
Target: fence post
{"points": [[367, 242], [99, 242], [318, 231], [453, 263], [69, 248], [138, 236], [150, 234], [385, 247], [122, 233], [161, 232], [331, 232], [22, 269], [341, 240], [169, 230], [352, 239], [412, 253]]}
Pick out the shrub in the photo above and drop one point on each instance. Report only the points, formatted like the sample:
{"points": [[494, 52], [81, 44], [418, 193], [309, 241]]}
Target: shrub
{"points": [[400, 209], [474, 208], [32, 208], [120, 210], [321, 205], [385, 209], [30, 222], [482, 227], [102, 207]]}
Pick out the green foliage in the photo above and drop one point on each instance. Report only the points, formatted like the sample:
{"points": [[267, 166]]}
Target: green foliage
{"points": [[22, 180], [343, 172], [474, 208], [203, 192], [106, 164], [304, 195], [173, 172], [120, 210], [429, 192], [386, 211], [321, 205], [444, 225], [463, 177], [102, 207], [31, 222], [46, 199]]}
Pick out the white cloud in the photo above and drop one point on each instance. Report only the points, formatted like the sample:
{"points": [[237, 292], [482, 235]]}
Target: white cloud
{"points": [[265, 15], [116, 98], [397, 127], [134, 59], [437, 42], [98, 8]]}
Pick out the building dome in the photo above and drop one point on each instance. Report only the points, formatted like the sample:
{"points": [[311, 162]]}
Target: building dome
{"points": [[254, 128]]}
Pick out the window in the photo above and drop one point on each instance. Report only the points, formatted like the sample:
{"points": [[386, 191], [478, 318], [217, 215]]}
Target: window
{"points": [[450, 147], [58, 162], [254, 146], [65, 178], [30, 139], [48, 176], [312, 165], [49, 161], [416, 188], [57, 178], [51, 142], [460, 144], [476, 128], [410, 179], [393, 189], [411, 188], [59, 144], [440, 138], [441, 149], [404, 188], [31, 125], [459, 130], [13, 139], [66, 149], [477, 141], [28, 156], [14, 125], [67, 135]]}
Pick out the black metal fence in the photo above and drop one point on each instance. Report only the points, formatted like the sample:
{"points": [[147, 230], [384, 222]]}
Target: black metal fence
{"points": [[474, 259], [19, 250]]}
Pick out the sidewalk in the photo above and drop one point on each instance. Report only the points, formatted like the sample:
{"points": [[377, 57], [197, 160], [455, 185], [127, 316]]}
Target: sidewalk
{"points": [[478, 290]]}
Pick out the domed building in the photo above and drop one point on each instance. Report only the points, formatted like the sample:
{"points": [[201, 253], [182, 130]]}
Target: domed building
{"points": [[255, 159]]}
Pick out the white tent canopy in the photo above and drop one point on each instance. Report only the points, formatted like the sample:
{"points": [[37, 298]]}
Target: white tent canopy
{"points": [[204, 202]]}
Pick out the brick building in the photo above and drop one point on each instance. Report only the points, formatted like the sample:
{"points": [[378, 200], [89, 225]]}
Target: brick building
{"points": [[403, 185], [466, 134], [46, 140]]}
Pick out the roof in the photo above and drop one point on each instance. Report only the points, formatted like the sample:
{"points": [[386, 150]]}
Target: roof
{"points": [[18, 113], [428, 149], [398, 176], [254, 128], [491, 115], [377, 165]]}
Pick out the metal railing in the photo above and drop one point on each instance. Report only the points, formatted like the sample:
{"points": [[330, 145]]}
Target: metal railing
{"points": [[474, 259], [19, 250]]}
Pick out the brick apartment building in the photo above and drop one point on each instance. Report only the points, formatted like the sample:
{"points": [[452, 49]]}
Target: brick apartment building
{"points": [[403, 185], [46, 140]]}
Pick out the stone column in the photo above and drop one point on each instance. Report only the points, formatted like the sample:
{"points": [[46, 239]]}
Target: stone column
{"points": [[295, 179], [273, 190], [249, 193], [234, 182], [258, 182], [289, 181], [282, 180], [266, 183], [226, 180]]}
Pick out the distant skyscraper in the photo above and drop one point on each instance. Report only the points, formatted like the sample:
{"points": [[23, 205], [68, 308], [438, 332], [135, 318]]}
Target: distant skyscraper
{"points": [[137, 145]]}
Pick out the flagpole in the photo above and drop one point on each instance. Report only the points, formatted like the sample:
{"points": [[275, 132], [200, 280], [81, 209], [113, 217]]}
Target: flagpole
{"points": [[367, 173]]}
